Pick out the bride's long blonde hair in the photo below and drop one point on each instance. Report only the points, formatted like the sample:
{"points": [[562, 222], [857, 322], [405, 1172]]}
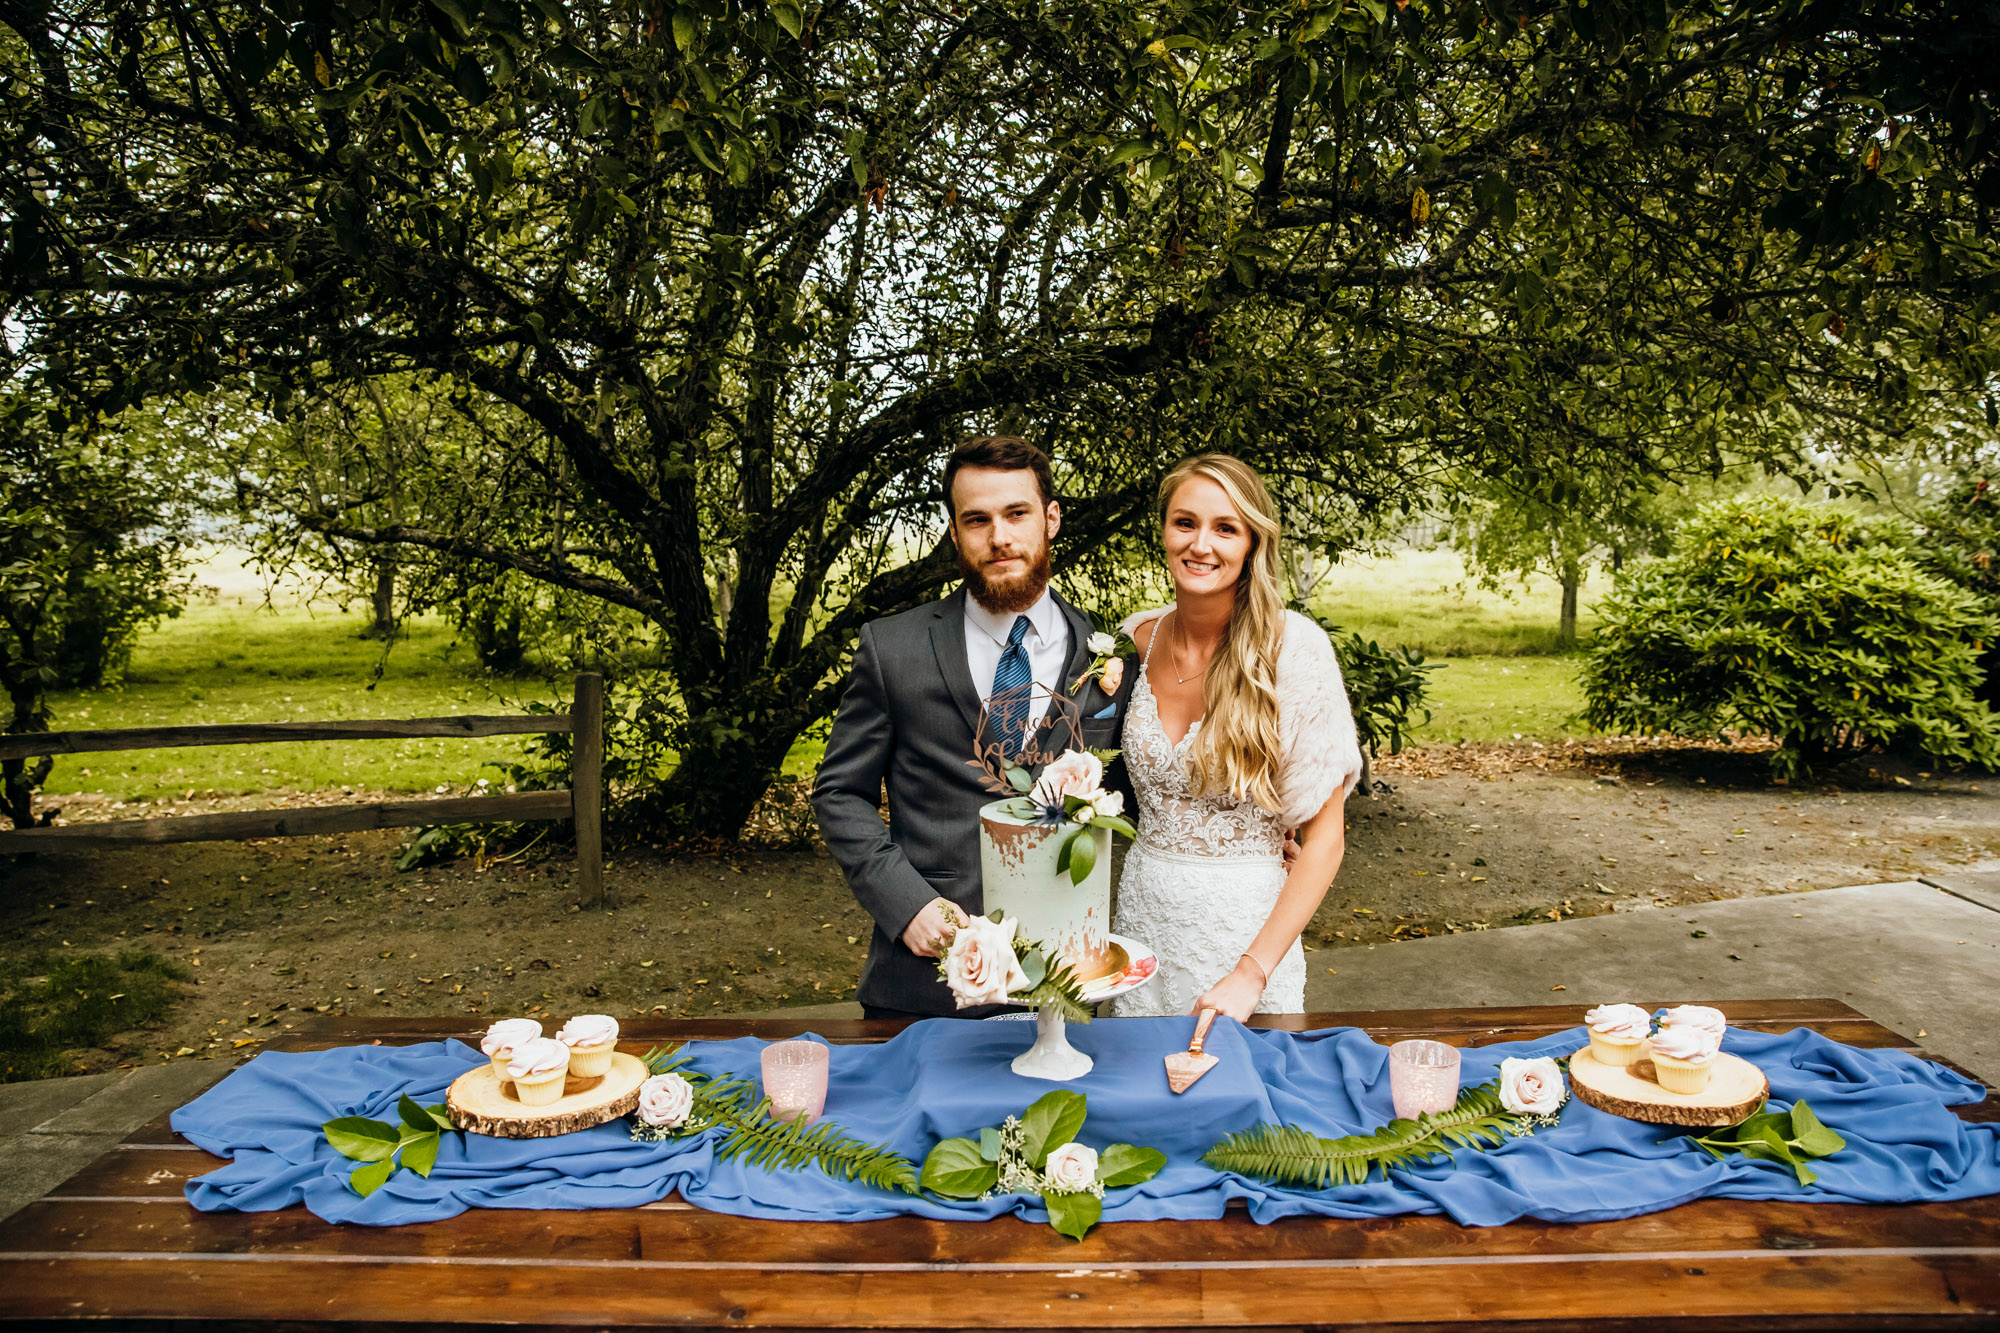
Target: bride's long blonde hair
{"points": [[1237, 750]]}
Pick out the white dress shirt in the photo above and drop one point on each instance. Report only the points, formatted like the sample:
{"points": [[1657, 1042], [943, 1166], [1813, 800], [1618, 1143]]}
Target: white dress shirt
{"points": [[1047, 643]]}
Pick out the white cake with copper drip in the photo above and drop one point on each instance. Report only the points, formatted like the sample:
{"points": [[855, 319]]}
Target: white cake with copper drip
{"points": [[1017, 863]]}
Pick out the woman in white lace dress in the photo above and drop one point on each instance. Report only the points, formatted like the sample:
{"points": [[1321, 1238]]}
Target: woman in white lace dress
{"points": [[1238, 730]]}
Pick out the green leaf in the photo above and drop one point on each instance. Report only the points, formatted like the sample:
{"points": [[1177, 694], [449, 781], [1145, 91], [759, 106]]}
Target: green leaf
{"points": [[440, 1116], [1035, 967], [415, 1116], [789, 17], [1814, 1139], [1021, 779], [1082, 854], [989, 1144], [1127, 1164], [365, 1180], [1126, 152], [360, 1138], [687, 29], [1116, 824], [421, 1154], [956, 1170], [1049, 1123], [1073, 1214]]}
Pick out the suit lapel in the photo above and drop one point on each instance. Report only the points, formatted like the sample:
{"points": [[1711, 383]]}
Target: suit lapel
{"points": [[948, 642]]}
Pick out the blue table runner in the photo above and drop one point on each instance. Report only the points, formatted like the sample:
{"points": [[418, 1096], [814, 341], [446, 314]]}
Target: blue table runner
{"points": [[948, 1077]]}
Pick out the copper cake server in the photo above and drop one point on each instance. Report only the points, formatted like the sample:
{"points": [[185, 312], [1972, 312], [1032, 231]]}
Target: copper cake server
{"points": [[1184, 1067]]}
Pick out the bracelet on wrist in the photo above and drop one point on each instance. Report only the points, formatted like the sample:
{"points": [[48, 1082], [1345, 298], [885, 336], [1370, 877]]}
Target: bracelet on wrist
{"points": [[1263, 976]]}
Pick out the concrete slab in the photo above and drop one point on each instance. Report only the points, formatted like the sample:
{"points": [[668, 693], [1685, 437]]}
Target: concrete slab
{"points": [[136, 1097], [33, 1164], [1975, 886], [1911, 956], [25, 1105]]}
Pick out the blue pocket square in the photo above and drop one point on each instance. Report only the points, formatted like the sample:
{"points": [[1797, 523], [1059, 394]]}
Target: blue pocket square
{"points": [[1110, 710]]}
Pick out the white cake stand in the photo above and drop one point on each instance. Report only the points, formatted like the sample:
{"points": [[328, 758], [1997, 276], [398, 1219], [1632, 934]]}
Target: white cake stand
{"points": [[1052, 1057]]}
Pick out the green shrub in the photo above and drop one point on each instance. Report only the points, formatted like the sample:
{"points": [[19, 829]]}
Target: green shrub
{"points": [[1805, 623], [1960, 539], [1385, 688]]}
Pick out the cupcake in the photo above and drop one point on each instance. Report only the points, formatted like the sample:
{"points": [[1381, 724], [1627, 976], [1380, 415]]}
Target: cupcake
{"points": [[591, 1038], [501, 1039], [1697, 1016], [1683, 1058], [538, 1070], [1618, 1033]]}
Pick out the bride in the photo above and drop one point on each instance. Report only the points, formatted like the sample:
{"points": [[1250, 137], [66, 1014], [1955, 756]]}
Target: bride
{"points": [[1238, 730]]}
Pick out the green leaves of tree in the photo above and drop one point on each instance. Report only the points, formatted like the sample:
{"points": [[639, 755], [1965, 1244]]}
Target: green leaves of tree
{"points": [[1790, 1137], [382, 1147]]}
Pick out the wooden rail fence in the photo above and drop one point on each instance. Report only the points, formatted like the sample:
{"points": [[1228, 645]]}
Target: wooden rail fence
{"points": [[583, 803]]}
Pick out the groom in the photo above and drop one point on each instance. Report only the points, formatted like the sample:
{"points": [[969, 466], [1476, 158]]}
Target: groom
{"points": [[909, 716]]}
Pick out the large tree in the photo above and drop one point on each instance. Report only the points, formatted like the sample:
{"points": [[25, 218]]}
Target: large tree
{"points": [[735, 274]]}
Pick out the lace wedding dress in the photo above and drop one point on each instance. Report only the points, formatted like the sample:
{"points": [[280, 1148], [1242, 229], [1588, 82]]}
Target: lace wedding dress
{"points": [[1205, 871]]}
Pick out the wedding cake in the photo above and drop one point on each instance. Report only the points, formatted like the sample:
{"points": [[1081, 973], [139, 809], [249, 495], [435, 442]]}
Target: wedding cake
{"points": [[1017, 862]]}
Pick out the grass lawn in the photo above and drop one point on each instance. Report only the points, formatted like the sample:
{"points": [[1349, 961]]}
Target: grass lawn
{"points": [[233, 657], [1421, 600]]}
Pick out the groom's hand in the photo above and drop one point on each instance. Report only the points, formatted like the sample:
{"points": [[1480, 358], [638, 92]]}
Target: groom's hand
{"points": [[932, 928]]}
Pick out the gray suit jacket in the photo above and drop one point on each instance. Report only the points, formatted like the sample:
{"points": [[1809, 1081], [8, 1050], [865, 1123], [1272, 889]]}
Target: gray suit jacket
{"points": [[908, 718]]}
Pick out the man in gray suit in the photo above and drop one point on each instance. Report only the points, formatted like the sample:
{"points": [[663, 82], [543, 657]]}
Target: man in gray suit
{"points": [[912, 709]]}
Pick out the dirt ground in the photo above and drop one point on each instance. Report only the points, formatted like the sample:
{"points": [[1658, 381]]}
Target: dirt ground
{"points": [[1467, 838]]}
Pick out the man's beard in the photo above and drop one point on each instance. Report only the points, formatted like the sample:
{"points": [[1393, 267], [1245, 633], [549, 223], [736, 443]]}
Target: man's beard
{"points": [[1016, 593]]}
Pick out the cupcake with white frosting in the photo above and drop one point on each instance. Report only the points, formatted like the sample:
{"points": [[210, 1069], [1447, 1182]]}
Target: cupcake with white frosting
{"points": [[1697, 1016], [501, 1039], [1684, 1057], [592, 1039], [538, 1070], [1618, 1033]]}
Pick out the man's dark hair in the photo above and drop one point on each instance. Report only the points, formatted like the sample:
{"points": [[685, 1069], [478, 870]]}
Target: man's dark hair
{"points": [[1009, 453]]}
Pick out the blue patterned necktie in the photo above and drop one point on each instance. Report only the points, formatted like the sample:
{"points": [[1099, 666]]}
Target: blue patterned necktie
{"points": [[1007, 706]]}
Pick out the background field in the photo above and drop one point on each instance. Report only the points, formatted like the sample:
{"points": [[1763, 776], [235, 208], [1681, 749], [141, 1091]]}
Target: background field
{"points": [[243, 653]]}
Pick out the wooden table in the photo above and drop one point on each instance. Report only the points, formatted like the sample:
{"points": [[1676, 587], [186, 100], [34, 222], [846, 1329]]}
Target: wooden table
{"points": [[118, 1244]]}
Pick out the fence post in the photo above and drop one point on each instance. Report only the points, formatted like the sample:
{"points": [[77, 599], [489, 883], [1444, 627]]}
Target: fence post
{"points": [[587, 783]]}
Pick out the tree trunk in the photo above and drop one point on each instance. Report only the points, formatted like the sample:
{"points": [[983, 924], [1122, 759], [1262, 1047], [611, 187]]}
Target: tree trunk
{"points": [[1572, 579], [382, 600], [725, 768]]}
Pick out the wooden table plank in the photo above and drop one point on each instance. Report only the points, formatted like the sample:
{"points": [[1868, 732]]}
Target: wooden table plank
{"points": [[116, 1242]]}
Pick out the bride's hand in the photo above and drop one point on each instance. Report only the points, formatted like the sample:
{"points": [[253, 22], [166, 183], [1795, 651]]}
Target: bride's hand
{"points": [[1236, 995]]}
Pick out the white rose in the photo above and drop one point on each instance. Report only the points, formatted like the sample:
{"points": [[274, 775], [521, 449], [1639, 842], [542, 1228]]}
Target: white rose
{"points": [[665, 1100], [1112, 676], [1100, 643], [1072, 1168], [1106, 804], [1530, 1087], [1077, 772], [981, 966]]}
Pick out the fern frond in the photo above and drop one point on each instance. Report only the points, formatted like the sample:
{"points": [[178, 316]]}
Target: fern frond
{"points": [[749, 1131], [1287, 1155], [1061, 991]]}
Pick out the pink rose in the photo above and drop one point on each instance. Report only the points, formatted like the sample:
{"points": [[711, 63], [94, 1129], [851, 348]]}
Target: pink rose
{"points": [[1530, 1087], [1072, 1168], [1076, 773], [981, 966], [1113, 675], [665, 1100]]}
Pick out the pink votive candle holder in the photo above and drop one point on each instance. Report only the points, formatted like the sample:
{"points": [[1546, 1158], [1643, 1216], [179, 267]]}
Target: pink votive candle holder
{"points": [[1423, 1078], [795, 1079]]}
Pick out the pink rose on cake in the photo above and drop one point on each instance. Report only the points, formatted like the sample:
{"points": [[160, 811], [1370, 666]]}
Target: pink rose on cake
{"points": [[1077, 773], [1072, 1169], [1530, 1087], [981, 966], [665, 1100]]}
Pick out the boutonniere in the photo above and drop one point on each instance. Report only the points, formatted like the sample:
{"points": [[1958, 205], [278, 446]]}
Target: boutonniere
{"points": [[1107, 663]]}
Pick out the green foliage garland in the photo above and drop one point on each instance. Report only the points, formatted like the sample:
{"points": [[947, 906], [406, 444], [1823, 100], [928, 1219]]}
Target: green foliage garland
{"points": [[750, 1131], [1287, 1155], [381, 1147], [1012, 1160]]}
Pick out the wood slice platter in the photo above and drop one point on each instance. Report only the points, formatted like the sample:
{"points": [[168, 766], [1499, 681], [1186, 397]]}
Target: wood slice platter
{"points": [[1736, 1088], [481, 1102]]}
